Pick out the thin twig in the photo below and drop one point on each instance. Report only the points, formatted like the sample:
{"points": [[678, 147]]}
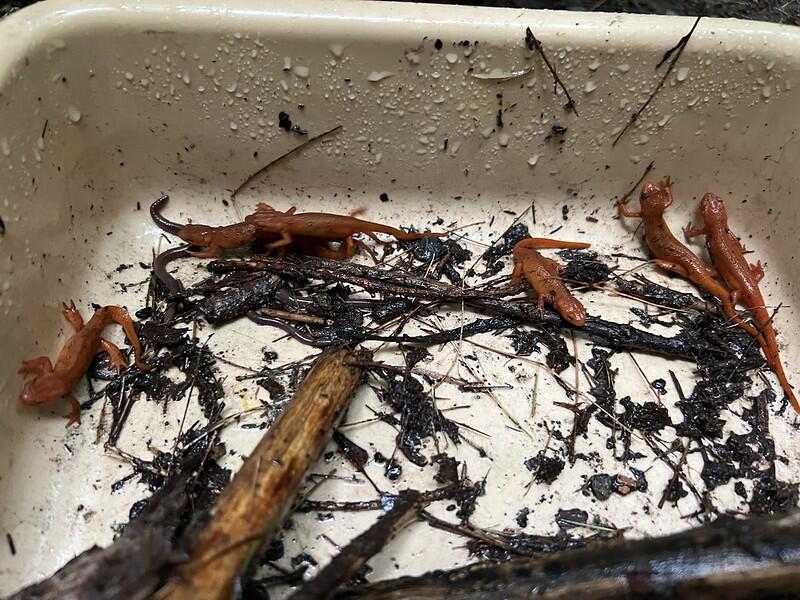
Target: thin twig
{"points": [[679, 47], [533, 44], [283, 156]]}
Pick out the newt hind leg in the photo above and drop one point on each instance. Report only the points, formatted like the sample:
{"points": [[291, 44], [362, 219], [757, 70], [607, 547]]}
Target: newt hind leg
{"points": [[377, 239], [121, 316], [367, 249], [115, 354], [672, 267], [36, 366], [75, 415]]}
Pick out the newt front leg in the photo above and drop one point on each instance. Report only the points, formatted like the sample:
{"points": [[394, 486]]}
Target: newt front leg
{"points": [[691, 231], [622, 207]]}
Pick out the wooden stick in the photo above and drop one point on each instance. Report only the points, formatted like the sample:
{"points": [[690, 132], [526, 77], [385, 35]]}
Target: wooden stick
{"points": [[730, 559], [346, 564], [263, 490]]}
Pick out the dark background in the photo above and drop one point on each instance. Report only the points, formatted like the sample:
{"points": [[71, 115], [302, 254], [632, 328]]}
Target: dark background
{"points": [[778, 11]]}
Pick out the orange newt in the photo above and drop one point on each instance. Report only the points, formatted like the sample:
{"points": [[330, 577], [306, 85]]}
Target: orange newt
{"points": [[53, 382], [543, 275], [671, 255], [218, 239], [742, 278], [322, 226]]}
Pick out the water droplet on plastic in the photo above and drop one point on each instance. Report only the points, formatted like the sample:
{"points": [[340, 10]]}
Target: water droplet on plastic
{"points": [[302, 71], [5, 147], [336, 49], [533, 160], [693, 101], [186, 79], [234, 126], [379, 75], [623, 68], [451, 57], [590, 87], [766, 91], [128, 75], [74, 114], [287, 63], [682, 73], [664, 120], [503, 139], [593, 66]]}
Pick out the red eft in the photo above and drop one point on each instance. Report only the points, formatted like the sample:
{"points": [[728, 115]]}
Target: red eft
{"points": [[52, 382], [543, 275], [671, 255], [322, 226], [742, 278]]}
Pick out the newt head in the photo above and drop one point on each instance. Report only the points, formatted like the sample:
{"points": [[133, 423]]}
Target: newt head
{"points": [[570, 309], [713, 210], [197, 235], [655, 198], [45, 388]]}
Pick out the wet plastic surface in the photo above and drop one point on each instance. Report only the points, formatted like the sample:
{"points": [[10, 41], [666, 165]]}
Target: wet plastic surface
{"points": [[99, 114]]}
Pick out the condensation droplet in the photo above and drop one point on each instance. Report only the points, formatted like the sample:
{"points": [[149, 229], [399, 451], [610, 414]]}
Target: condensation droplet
{"points": [[693, 101], [234, 126], [74, 114], [451, 57], [302, 71], [682, 73], [590, 87], [766, 91], [593, 66], [379, 75], [664, 120], [336, 49], [533, 160], [5, 147], [503, 139], [128, 75], [623, 68], [231, 87], [186, 79], [287, 63]]}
